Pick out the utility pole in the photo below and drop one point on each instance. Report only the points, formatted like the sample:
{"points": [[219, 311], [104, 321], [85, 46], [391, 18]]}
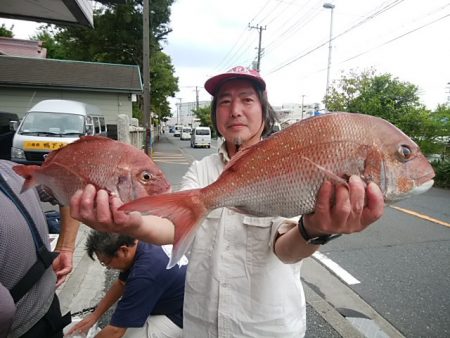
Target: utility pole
{"points": [[179, 111], [260, 29], [196, 98], [303, 97], [330, 6], [146, 71]]}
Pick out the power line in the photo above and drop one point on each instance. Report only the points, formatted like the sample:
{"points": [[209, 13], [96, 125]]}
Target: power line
{"points": [[219, 66], [398, 37], [391, 40], [366, 19]]}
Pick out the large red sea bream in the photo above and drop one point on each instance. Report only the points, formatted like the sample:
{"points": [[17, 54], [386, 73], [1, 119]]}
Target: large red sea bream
{"points": [[281, 175], [117, 167]]}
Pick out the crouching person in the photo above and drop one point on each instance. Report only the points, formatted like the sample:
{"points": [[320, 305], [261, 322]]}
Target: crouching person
{"points": [[151, 297]]}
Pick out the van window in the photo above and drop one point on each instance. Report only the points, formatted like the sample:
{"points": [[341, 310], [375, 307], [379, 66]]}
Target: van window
{"points": [[201, 132], [102, 124], [52, 123], [96, 125]]}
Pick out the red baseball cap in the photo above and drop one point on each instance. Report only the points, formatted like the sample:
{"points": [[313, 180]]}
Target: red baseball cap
{"points": [[213, 84]]}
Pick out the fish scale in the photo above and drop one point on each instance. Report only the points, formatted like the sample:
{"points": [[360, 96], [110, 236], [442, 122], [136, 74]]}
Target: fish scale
{"points": [[281, 175]]}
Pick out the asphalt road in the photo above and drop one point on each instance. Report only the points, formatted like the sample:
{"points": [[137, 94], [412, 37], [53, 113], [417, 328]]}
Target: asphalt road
{"points": [[401, 263]]}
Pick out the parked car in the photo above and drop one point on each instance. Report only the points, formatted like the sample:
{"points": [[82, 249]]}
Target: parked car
{"points": [[177, 130], [6, 134], [186, 133], [50, 125], [201, 137]]}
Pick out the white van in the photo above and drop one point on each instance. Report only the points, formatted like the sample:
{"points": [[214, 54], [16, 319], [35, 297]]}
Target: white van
{"points": [[50, 125], [186, 133], [201, 137], [177, 130]]}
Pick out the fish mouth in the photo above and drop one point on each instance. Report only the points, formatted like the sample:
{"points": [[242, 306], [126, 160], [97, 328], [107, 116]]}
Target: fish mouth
{"points": [[425, 179], [419, 189], [420, 185]]}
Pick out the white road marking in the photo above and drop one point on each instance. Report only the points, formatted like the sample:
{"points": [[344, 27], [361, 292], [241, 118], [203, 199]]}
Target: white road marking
{"points": [[341, 273]]}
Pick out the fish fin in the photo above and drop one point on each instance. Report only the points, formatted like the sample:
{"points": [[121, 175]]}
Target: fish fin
{"points": [[27, 172], [332, 176], [241, 153], [185, 209]]}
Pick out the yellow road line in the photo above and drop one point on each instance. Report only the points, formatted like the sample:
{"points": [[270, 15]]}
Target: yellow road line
{"points": [[428, 218]]}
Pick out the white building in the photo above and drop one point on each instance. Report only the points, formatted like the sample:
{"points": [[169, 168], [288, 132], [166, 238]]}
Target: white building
{"points": [[290, 113], [184, 113]]}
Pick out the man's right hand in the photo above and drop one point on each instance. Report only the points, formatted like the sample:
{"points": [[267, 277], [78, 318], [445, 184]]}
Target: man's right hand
{"points": [[98, 210], [82, 328]]}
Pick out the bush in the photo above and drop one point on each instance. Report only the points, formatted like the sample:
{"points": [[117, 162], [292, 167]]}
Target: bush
{"points": [[442, 169]]}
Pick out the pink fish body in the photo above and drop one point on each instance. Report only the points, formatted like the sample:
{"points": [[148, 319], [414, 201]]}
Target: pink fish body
{"points": [[281, 175], [119, 168]]}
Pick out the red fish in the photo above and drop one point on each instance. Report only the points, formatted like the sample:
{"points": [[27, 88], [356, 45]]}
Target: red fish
{"points": [[117, 167], [281, 175]]}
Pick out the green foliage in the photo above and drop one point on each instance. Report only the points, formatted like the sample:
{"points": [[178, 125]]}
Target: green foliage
{"points": [[379, 95], [117, 38], [163, 84], [6, 32], [442, 169], [395, 101], [204, 115], [52, 46]]}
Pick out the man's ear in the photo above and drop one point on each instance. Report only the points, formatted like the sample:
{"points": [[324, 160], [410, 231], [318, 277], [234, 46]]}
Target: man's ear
{"points": [[123, 251]]}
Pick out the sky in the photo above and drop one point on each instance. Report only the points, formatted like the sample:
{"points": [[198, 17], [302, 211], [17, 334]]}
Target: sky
{"points": [[408, 39]]}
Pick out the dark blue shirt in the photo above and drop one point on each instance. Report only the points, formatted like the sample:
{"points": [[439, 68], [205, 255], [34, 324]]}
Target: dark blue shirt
{"points": [[150, 289]]}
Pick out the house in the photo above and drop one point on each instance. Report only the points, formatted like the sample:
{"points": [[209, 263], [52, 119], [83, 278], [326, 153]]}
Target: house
{"points": [[26, 81], [18, 47]]}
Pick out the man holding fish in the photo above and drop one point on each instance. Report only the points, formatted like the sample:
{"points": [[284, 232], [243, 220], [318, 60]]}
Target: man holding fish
{"points": [[232, 217]]}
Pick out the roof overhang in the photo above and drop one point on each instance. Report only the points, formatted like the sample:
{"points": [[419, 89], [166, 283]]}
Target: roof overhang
{"points": [[61, 12]]}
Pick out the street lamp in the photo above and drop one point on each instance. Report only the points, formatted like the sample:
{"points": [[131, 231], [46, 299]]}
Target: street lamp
{"points": [[328, 5]]}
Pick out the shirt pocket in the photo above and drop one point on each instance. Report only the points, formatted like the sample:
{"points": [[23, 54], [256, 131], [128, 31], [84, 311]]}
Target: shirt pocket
{"points": [[205, 239], [259, 231]]}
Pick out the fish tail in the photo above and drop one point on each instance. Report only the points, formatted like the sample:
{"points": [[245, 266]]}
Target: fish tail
{"points": [[27, 172], [186, 210]]}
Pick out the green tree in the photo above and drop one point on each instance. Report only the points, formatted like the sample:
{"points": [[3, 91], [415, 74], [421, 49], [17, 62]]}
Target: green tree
{"points": [[117, 38], [6, 32], [204, 115], [383, 96]]}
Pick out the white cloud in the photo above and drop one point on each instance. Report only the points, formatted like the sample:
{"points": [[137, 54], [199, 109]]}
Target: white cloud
{"points": [[211, 36]]}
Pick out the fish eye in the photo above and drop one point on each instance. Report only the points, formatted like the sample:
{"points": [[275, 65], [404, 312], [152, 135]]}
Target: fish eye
{"points": [[404, 152], [146, 176]]}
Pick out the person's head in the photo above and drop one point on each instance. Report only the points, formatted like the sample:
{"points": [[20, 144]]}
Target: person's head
{"points": [[112, 250], [240, 95]]}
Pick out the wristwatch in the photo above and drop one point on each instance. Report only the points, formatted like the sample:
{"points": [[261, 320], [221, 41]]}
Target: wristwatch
{"points": [[319, 240]]}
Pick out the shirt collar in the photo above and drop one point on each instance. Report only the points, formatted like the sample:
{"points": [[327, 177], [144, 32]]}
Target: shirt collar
{"points": [[223, 153]]}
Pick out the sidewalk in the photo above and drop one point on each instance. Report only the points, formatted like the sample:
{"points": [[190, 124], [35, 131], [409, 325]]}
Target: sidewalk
{"points": [[84, 287]]}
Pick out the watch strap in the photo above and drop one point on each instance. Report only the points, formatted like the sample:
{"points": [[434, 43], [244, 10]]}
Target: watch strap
{"points": [[314, 240]]}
